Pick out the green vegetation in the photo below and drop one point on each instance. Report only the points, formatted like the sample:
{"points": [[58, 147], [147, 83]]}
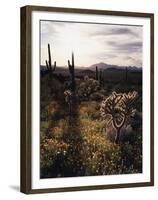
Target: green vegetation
{"points": [[89, 127]]}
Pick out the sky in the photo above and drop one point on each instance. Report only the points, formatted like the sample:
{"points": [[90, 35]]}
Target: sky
{"points": [[91, 43]]}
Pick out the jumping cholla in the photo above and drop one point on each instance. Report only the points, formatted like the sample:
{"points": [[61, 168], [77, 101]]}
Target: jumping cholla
{"points": [[87, 87], [119, 107]]}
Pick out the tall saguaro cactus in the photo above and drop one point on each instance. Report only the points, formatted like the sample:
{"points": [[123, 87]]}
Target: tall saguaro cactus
{"points": [[72, 72], [96, 73], [101, 78], [49, 65]]}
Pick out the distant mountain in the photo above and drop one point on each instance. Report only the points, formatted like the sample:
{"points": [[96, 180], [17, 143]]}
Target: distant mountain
{"points": [[65, 70], [90, 71], [85, 72], [104, 66]]}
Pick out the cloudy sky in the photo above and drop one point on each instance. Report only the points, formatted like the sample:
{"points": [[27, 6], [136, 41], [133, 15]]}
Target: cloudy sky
{"points": [[91, 43]]}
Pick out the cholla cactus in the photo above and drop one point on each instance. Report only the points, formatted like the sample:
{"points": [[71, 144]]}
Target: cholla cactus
{"points": [[87, 87], [128, 101], [68, 99], [118, 107]]}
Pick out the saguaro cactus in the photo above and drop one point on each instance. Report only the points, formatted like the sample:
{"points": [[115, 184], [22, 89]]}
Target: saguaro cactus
{"points": [[49, 65], [72, 72], [96, 73], [101, 78]]}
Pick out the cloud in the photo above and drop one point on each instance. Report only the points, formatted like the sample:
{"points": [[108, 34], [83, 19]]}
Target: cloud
{"points": [[92, 43], [126, 47], [112, 31], [47, 29]]}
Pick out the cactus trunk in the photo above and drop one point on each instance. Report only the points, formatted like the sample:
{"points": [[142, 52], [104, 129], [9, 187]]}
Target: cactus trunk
{"points": [[49, 65], [72, 72], [117, 138], [96, 74]]}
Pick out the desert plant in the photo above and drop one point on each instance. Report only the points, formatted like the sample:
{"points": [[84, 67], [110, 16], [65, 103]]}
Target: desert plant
{"points": [[96, 73], [119, 107], [101, 78], [87, 87], [72, 72], [68, 99], [96, 96], [49, 65]]}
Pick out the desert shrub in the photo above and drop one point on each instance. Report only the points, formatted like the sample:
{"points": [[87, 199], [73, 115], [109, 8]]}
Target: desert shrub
{"points": [[50, 89], [78, 146], [89, 110], [99, 156], [45, 91], [108, 87], [131, 150], [103, 92], [67, 85], [50, 150], [97, 96], [131, 154], [104, 157], [87, 87], [44, 115], [57, 89]]}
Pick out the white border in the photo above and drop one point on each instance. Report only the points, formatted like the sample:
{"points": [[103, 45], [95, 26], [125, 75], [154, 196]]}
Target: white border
{"points": [[38, 183]]}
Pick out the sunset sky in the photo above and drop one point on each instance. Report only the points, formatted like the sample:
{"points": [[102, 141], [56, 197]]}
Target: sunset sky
{"points": [[91, 43]]}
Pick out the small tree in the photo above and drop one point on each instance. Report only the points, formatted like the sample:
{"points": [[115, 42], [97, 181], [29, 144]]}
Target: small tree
{"points": [[119, 107]]}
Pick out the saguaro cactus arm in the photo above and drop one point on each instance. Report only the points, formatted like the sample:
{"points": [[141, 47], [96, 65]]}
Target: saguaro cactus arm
{"points": [[71, 66], [49, 56], [49, 61], [47, 65]]}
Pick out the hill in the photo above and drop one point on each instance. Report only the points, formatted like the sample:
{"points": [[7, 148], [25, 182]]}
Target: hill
{"points": [[105, 66]]}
